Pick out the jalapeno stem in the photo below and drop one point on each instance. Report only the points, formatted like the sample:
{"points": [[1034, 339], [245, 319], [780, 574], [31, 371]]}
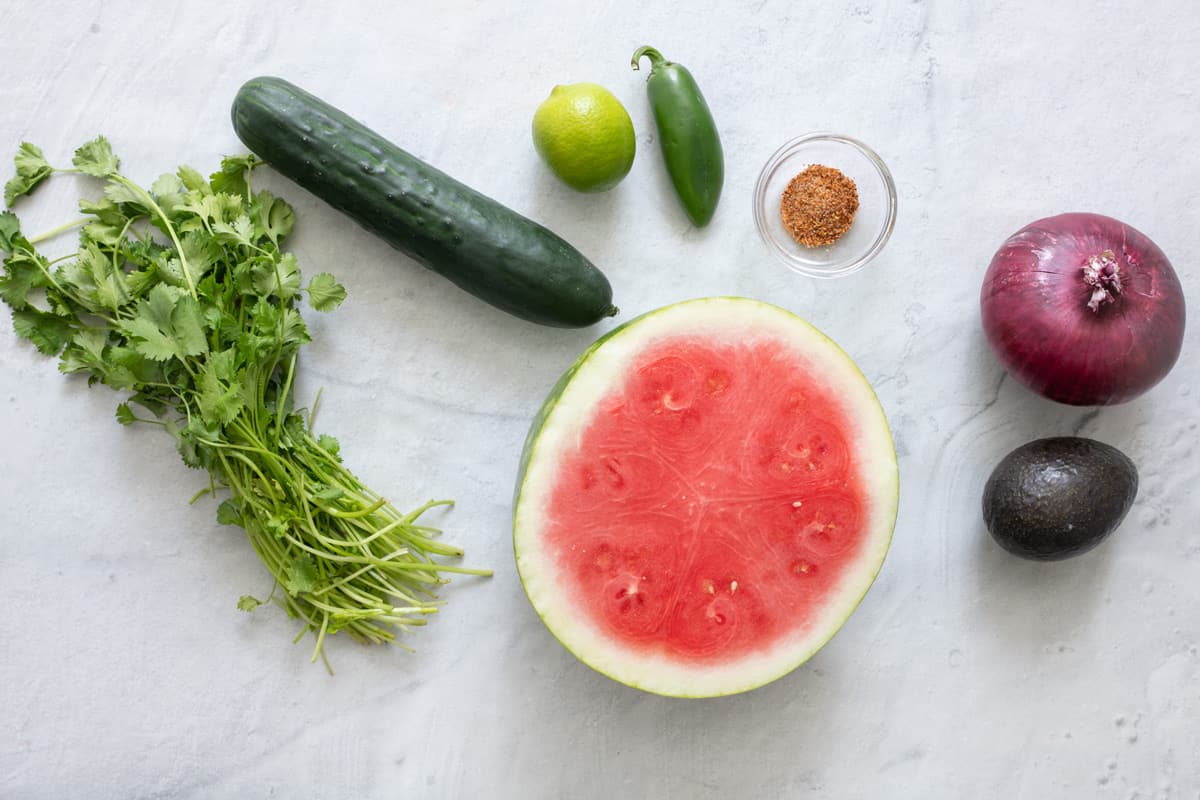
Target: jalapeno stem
{"points": [[656, 58]]}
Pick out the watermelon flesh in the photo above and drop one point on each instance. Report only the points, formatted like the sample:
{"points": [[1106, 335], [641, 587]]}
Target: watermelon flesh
{"points": [[705, 498], [673, 531]]}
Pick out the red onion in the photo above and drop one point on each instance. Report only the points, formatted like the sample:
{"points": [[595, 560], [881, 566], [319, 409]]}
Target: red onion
{"points": [[1083, 309]]}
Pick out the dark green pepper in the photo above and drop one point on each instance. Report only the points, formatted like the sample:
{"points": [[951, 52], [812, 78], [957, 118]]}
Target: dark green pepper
{"points": [[687, 134]]}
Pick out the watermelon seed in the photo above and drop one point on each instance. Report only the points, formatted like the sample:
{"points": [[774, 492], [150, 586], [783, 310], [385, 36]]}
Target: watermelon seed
{"points": [[630, 589], [631, 602], [803, 567], [708, 586], [797, 503], [615, 479], [732, 587], [717, 383]]}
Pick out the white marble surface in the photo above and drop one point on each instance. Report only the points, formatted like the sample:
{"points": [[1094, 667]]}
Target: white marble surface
{"points": [[127, 672]]}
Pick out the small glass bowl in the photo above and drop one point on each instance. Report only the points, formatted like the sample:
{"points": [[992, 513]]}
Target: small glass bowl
{"points": [[876, 204]]}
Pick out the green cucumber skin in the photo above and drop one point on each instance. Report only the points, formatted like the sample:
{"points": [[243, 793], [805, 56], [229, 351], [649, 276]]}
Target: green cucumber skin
{"points": [[480, 245], [688, 137]]}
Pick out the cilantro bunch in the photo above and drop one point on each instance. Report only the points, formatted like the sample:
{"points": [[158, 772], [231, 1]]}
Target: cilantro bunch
{"points": [[181, 297]]}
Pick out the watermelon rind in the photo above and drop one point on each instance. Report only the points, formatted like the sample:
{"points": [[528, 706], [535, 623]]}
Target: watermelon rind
{"points": [[574, 397]]}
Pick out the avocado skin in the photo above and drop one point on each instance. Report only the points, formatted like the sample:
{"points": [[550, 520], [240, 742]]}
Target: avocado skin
{"points": [[1056, 498]]}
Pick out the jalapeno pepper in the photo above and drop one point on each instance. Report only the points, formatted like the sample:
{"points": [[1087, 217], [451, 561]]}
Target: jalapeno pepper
{"points": [[687, 135]]}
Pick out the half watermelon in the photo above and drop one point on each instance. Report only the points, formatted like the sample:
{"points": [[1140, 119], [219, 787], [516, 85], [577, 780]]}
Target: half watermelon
{"points": [[704, 498]]}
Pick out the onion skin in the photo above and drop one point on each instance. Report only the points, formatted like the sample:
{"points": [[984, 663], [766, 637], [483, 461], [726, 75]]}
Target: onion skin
{"points": [[1058, 335]]}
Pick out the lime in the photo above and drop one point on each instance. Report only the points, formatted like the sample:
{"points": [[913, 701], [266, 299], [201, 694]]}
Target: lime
{"points": [[585, 136]]}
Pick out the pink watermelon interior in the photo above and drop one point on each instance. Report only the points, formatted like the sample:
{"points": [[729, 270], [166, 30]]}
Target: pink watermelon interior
{"points": [[712, 503]]}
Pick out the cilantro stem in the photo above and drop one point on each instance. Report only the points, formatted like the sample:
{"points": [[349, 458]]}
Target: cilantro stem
{"points": [[320, 637], [170, 229], [362, 512], [118, 273], [266, 484], [50, 234], [282, 400], [47, 273], [160, 424], [312, 412]]}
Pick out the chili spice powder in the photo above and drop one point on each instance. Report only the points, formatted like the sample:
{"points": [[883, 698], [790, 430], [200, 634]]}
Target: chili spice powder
{"points": [[819, 205]]}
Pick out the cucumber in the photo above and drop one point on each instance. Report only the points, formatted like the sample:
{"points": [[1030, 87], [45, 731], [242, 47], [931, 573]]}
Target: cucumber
{"points": [[482, 246]]}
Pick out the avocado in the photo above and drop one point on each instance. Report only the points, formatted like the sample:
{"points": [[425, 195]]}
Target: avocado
{"points": [[1055, 498]]}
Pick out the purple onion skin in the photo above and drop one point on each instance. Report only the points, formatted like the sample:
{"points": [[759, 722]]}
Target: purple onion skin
{"points": [[1037, 317]]}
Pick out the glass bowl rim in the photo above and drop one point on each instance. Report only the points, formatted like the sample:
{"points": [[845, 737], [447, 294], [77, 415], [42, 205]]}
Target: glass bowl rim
{"points": [[789, 149]]}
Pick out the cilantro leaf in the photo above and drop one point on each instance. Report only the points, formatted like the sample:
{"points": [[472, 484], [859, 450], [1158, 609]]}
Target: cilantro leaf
{"points": [[325, 293], [228, 513], [91, 341], [232, 177], [96, 158], [273, 216], [149, 339], [159, 304], [32, 169], [168, 324], [85, 352], [16, 283], [192, 179], [120, 192], [125, 414], [72, 361], [149, 402], [103, 234], [202, 253], [276, 526], [24, 269], [264, 318], [48, 332], [105, 211], [221, 397], [30, 160], [248, 603], [206, 206], [240, 231], [187, 325], [280, 278], [293, 330], [10, 231], [167, 184], [15, 187], [128, 368], [169, 193], [329, 493], [94, 279], [194, 442], [300, 575], [170, 269], [329, 444]]}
